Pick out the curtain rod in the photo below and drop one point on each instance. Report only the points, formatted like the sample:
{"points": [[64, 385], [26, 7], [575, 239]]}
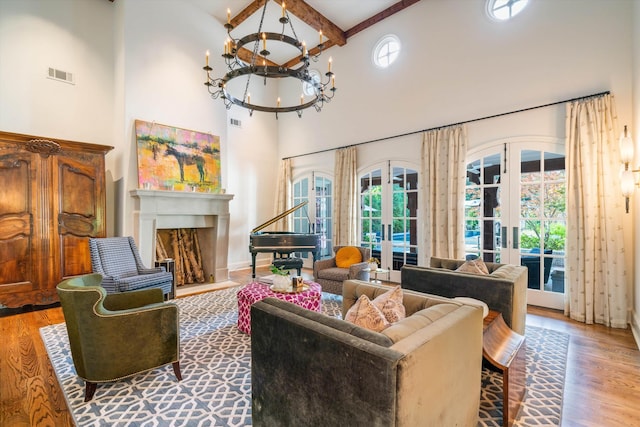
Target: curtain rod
{"points": [[593, 95]]}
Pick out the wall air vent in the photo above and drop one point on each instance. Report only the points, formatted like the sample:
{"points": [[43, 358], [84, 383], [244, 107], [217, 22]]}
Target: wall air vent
{"points": [[62, 76], [235, 122]]}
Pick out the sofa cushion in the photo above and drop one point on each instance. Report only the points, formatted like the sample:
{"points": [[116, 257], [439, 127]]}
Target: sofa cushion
{"points": [[474, 266], [364, 313], [390, 304], [347, 256], [334, 273], [417, 321]]}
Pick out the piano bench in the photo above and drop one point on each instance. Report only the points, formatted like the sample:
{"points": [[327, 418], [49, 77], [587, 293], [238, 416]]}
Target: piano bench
{"points": [[289, 264]]}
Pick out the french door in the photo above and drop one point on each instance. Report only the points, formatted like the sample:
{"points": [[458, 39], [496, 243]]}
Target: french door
{"points": [[515, 213], [389, 215], [316, 217]]}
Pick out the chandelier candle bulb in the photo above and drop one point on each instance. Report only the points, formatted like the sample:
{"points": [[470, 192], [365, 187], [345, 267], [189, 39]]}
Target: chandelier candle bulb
{"points": [[228, 16], [248, 98], [206, 58], [304, 48], [320, 33], [283, 9], [301, 99], [278, 102], [264, 41], [333, 81], [330, 61]]}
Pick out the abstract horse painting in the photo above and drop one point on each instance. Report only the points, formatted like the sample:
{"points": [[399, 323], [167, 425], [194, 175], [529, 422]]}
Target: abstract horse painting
{"points": [[171, 158]]}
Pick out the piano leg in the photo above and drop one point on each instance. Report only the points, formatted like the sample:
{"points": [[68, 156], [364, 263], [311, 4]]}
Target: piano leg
{"points": [[253, 265]]}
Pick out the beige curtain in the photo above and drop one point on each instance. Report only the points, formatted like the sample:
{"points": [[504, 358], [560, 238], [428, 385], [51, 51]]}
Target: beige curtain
{"points": [[443, 168], [595, 277], [283, 194], [346, 206]]}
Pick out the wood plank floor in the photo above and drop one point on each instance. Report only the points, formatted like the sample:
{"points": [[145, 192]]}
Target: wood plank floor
{"points": [[602, 386]]}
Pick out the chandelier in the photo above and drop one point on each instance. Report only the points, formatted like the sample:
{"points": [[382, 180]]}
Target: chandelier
{"points": [[260, 67]]}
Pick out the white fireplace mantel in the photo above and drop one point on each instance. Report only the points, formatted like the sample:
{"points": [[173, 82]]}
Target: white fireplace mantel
{"points": [[156, 209]]}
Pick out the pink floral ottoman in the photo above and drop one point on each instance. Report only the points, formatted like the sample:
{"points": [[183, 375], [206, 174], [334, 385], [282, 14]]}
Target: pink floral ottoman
{"points": [[254, 292]]}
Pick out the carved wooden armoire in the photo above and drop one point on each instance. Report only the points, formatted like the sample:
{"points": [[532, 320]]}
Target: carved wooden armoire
{"points": [[52, 199]]}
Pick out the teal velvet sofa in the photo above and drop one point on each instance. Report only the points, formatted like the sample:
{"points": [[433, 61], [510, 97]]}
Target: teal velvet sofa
{"points": [[309, 369]]}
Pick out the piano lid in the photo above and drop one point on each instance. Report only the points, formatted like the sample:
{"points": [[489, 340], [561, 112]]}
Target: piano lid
{"points": [[279, 217]]}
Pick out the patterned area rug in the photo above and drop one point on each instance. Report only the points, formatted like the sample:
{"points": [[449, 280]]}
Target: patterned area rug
{"points": [[216, 385]]}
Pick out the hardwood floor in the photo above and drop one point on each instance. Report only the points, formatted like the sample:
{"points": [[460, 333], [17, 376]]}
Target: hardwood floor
{"points": [[602, 386]]}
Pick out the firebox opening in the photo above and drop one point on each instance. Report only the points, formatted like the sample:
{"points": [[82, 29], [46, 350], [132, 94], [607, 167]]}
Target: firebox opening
{"points": [[183, 245]]}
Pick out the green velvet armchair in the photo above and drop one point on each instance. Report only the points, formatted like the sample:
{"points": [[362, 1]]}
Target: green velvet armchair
{"points": [[117, 335]]}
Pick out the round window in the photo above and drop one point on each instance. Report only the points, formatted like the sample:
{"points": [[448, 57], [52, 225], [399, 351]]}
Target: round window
{"points": [[386, 51], [308, 88], [502, 10]]}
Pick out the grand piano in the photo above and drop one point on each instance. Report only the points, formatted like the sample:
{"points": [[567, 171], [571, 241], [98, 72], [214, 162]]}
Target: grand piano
{"points": [[282, 242]]}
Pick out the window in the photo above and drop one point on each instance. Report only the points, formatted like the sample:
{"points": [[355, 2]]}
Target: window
{"points": [[308, 88], [386, 51], [317, 190], [503, 10]]}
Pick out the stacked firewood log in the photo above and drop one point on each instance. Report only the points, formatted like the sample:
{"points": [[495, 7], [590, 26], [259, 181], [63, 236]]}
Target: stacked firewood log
{"points": [[182, 245]]}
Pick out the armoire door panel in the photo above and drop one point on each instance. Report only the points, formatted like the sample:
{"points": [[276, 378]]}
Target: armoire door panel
{"points": [[75, 259], [80, 212], [17, 252], [52, 199]]}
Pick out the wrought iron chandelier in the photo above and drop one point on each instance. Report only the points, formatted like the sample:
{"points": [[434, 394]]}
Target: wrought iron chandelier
{"points": [[259, 66]]}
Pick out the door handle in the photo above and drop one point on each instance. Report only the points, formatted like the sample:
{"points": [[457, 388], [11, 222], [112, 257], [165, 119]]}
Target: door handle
{"points": [[389, 236], [516, 241]]}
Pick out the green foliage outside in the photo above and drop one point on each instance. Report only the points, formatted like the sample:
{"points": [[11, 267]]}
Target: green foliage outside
{"points": [[372, 213]]}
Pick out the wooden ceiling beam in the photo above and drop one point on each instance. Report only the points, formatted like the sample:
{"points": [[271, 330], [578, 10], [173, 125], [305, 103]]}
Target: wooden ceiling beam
{"points": [[307, 14], [315, 20], [245, 13], [395, 8]]}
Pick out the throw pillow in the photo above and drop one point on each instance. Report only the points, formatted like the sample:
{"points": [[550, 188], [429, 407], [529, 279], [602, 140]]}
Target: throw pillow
{"points": [[347, 256], [364, 313], [474, 266], [390, 304]]}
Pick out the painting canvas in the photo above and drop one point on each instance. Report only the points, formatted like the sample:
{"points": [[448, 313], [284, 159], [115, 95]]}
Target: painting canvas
{"points": [[171, 158]]}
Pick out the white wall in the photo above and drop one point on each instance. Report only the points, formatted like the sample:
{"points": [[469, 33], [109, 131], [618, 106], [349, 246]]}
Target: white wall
{"points": [[457, 64], [73, 36], [163, 59]]}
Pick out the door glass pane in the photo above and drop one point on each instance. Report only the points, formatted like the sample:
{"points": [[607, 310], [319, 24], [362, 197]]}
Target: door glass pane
{"points": [[482, 208], [405, 212], [371, 211], [300, 216], [542, 221], [555, 219], [324, 209], [491, 169]]}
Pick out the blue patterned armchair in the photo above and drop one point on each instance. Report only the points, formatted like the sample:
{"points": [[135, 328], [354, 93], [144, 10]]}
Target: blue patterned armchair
{"points": [[118, 261]]}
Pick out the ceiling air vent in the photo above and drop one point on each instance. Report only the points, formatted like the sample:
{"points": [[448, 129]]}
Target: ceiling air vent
{"points": [[235, 122], [60, 75]]}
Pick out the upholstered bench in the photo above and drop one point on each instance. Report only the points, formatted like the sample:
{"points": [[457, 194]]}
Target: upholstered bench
{"points": [[289, 263]]}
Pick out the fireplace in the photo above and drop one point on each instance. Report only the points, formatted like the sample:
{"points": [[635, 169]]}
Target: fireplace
{"points": [[206, 212]]}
